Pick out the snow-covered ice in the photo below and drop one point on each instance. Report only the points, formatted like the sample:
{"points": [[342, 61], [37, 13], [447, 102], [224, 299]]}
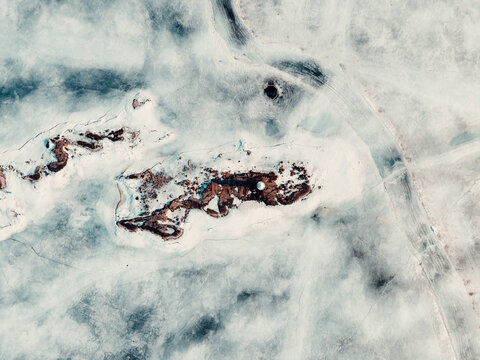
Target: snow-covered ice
{"points": [[232, 179]]}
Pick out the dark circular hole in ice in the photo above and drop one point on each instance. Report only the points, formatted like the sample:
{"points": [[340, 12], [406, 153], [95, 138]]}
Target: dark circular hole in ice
{"points": [[270, 91]]}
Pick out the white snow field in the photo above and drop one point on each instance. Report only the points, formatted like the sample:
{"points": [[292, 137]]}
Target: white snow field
{"points": [[362, 118]]}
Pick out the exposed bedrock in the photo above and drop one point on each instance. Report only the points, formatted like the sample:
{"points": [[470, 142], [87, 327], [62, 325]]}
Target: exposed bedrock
{"points": [[215, 197]]}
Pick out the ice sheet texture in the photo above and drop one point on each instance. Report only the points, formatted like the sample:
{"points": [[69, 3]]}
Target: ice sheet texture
{"points": [[378, 101]]}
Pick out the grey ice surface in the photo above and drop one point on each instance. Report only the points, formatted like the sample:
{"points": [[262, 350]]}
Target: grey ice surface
{"points": [[380, 98]]}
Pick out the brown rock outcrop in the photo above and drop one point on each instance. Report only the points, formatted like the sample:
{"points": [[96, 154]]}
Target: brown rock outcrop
{"points": [[3, 182], [166, 221]]}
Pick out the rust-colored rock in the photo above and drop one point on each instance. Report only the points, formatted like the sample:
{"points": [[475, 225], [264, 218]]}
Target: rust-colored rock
{"points": [[114, 135], [37, 174], [151, 224], [166, 221], [300, 191], [148, 177], [3, 182], [93, 146], [60, 153], [60, 149], [150, 183], [136, 103], [93, 136]]}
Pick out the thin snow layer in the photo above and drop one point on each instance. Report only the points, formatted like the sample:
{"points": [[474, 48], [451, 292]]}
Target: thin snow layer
{"points": [[379, 102]]}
